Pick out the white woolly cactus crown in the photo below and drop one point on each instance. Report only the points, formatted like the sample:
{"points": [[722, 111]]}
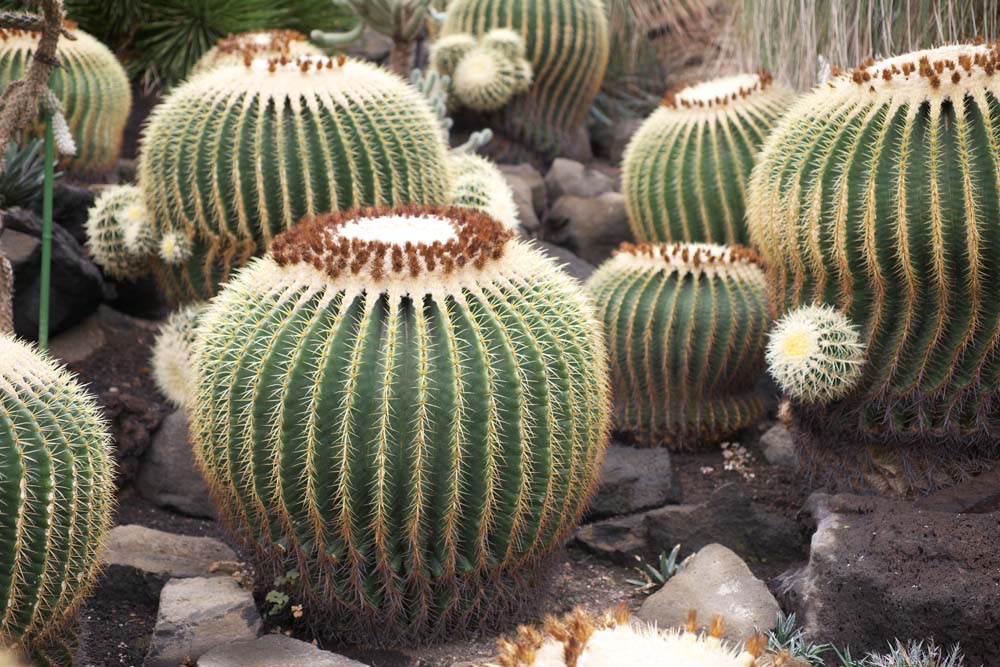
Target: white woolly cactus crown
{"points": [[245, 47]]}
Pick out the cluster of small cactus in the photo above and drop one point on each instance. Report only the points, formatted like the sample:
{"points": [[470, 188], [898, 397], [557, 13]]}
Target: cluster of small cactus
{"points": [[235, 156], [92, 88], [876, 195], [485, 74], [685, 172], [566, 43], [686, 328], [56, 492], [244, 48], [174, 355], [120, 235], [409, 407]]}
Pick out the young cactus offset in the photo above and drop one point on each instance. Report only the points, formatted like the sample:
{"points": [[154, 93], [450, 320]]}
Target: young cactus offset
{"points": [[248, 46], [686, 328], [57, 493], [487, 74], [336, 134], [566, 44], [409, 407], [877, 195], [120, 237], [174, 367], [685, 172], [92, 87], [478, 183]]}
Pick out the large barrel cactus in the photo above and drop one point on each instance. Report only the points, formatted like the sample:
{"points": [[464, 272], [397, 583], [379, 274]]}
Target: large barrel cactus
{"points": [[239, 154], [685, 172], [56, 492], [248, 46], [91, 85], [686, 328], [567, 45], [409, 407], [877, 195]]}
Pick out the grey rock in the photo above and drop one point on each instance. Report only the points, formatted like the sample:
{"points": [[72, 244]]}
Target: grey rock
{"points": [[163, 555], [882, 568], [168, 476], [529, 194], [779, 447], [611, 140], [577, 146], [197, 615], [272, 651], [591, 228], [633, 480], [77, 344], [573, 265], [620, 540], [372, 45], [714, 581], [568, 177]]}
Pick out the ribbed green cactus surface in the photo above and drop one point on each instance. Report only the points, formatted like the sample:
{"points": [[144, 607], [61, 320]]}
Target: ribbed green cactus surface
{"points": [[93, 88], [878, 195], [686, 328], [567, 45], [120, 237], [685, 172], [56, 494], [478, 183], [247, 46], [237, 155], [409, 407]]}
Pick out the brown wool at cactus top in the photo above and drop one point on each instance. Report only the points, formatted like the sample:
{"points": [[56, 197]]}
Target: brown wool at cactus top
{"points": [[675, 99], [695, 255], [260, 41]]}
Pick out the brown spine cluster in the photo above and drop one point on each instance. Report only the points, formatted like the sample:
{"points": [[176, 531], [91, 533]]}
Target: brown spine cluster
{"points": [[987, 62], [573, 631], [315, 241], [694, 256], [671, 98], [278, 41], [303, 63]]}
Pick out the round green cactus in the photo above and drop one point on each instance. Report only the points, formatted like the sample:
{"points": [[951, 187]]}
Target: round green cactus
{"points": [[685, 172], [566, 43], [485, 74], [449, 50], [877, 195], [173, 355], [92, 87], [57, 493], [686, 327], [408, 406], [119, 235], [477, 183], [248, 46], [237, 155]]}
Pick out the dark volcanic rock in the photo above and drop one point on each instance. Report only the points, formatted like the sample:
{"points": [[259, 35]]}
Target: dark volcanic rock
{"points": [[571, 264], [168, 475], [132, 420], [633, 480], [590, 227]]}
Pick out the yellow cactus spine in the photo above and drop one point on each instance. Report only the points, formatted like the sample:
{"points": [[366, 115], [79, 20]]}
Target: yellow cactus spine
{"points": [[120, 236], [173, 355], [410, 407], [91, 85], [686, 328], [477, 183], [685, 172], [877, 196]]}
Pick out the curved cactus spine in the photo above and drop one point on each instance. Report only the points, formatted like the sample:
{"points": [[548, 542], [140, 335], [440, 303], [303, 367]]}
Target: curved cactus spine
{"points": [[686, 327], [877, 195], [56, 488], [120, 237], [568, 52], [477, 183], [173, 355], [248, 46], [338, 134], [685, 172], [91, 86], [424, 401]]}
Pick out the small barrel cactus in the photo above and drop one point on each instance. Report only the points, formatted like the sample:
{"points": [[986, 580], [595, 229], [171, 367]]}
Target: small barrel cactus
{"points": [[56, 486], [248, 46], [409, 407], [686, 328], [685, 172], [173, 355], [566, 44], [91, 85], [120, 237], [477, 183], [877, 195], [237, 155], [487, 74]]}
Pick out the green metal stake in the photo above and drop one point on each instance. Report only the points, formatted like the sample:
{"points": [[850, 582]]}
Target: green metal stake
{"points": [[43, 301]]}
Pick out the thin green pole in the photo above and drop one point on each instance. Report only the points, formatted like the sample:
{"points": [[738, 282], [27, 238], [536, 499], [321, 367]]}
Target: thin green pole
{"points": [[43, 301]]}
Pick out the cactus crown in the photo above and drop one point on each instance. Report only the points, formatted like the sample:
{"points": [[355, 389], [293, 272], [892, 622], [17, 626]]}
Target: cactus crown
{"points": [[257, 42], [685, 258], [949, 71], [717, 92]]}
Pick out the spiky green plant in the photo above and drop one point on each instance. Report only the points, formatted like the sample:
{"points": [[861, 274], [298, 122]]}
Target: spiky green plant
{"points": [[477, 183], [247, 46], [686, 327], [174, 367], [877, 195], [56, 490], [568, 51], [92, 87], [120, 237], [235, 156], [23, 176], [685, 171], [408, 404], [485, 74], [916, 654], [402, 20]]}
